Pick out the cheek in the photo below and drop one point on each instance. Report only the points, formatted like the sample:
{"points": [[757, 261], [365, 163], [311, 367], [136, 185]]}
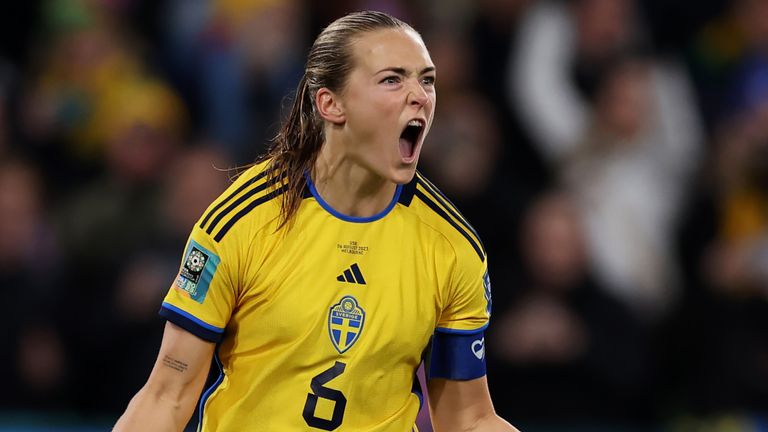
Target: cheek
{"points": [[432, 105]]}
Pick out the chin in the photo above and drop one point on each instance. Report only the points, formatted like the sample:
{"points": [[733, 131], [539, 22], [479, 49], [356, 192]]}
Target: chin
{"points": [[404, 174]]}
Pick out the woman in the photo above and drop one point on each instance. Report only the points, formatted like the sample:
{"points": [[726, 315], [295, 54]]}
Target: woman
{"points": [[319, 279]]}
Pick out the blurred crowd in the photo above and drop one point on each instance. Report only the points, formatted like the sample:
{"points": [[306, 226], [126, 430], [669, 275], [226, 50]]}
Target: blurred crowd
{"points": [[613, 155]]}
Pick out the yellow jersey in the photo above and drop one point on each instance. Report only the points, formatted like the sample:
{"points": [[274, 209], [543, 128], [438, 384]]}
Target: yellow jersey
{"points": [[323, 324]]}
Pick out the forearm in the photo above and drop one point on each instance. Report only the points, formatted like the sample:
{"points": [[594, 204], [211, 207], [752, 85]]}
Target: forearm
{"points": [[150, 411], [464, 406]]}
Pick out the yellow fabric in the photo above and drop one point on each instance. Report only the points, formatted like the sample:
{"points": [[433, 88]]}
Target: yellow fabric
{"points": [[273, 293]]}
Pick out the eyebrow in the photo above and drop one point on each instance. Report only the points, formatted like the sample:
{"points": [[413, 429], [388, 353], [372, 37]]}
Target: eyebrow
{"points": [[403, 71]]}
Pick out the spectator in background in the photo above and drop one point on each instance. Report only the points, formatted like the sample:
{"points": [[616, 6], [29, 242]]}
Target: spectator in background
{"points": [[494, 31], [560, 49], [84, 72], [465, 151], [103, 225], [725, 238], [238, 59], [740, 253], [568, 351], [34, 357], [621, 129], [194, 178], [629, 175], [720, 51]]}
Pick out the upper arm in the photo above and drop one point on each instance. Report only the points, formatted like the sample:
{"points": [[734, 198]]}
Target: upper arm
{"points": [[168, 399], [181, 367]]}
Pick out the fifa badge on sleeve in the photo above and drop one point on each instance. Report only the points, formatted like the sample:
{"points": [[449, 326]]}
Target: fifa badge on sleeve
{"points": [[197, 271]]}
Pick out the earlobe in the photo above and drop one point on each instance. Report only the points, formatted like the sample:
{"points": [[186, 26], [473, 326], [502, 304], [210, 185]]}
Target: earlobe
{"points": [[329, 107]]}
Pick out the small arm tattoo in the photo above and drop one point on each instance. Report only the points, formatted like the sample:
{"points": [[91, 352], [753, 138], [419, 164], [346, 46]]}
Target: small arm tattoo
{"points": [[174, 364]]}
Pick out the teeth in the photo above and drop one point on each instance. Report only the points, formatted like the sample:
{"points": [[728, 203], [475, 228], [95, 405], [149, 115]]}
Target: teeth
{"points": [[415, 123]]}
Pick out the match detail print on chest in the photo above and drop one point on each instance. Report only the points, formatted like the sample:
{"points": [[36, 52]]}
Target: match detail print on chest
{"points": [[346, 317]]}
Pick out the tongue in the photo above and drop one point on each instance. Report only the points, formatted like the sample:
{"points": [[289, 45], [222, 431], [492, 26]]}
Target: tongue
{"points": [[406, 148]]}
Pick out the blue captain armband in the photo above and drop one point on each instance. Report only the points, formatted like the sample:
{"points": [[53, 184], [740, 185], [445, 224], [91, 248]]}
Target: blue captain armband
{"points": [[457, 354]]}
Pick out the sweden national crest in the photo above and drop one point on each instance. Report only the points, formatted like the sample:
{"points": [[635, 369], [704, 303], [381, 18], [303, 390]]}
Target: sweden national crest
{"points": [[345, 323]]}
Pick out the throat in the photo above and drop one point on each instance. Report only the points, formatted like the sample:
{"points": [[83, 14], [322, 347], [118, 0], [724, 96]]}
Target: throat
{"points": [[353, 196]]}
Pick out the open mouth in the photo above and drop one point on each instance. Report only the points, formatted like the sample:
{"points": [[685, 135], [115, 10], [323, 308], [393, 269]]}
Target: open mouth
{"points": [[410, 138]]}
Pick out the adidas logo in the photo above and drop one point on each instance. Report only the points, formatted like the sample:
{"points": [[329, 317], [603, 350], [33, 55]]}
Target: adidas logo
{"points": [[352, 275]]}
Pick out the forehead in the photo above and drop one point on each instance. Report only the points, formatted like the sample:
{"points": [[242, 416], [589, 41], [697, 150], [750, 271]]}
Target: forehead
{"points": [[380, 49]]}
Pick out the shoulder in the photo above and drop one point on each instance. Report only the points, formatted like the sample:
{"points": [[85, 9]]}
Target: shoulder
{"points": [[434, 209], [249, 202]]}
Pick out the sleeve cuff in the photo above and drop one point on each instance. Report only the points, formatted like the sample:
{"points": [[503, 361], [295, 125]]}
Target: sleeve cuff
{"points": [[191, 323]]}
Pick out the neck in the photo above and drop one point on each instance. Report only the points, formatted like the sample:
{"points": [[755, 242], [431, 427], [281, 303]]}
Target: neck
{"points": [[348, 187]]}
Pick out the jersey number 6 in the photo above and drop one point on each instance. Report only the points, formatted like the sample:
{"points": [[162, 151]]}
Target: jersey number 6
{"points": [[319, 391]]}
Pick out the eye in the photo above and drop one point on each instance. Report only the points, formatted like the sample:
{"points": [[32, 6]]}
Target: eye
{"points": [[428, 80], [392, 79]]}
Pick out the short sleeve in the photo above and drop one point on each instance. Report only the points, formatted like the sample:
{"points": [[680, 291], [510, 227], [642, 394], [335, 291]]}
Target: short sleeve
{"points": [[202, 296], [468, 304], [458, 345]]}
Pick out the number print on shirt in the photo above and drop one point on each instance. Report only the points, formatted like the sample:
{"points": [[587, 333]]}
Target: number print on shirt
{"points": [[320, 391]]}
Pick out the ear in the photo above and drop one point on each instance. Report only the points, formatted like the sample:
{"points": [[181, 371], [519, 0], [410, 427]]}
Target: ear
{"points": [[329, 106]]}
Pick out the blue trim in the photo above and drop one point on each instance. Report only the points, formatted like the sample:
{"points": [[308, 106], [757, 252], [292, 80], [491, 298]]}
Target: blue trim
{"points": [[417, 389], [354, 219], [191, 323], [189, 316], [461, 332], [213, 387]]}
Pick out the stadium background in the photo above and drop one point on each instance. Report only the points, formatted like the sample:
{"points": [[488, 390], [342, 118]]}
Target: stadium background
{"points": [[612, 154]]}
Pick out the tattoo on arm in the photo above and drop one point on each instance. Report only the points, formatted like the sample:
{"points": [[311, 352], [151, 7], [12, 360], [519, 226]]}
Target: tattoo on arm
{"points": [[174, 364]]}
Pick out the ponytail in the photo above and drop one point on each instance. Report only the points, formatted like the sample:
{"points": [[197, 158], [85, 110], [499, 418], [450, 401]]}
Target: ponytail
{"points": [[294, 150]]}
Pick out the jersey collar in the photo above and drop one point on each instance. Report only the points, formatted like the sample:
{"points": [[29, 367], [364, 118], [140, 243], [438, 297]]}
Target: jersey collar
{"points": [[347, 218]]}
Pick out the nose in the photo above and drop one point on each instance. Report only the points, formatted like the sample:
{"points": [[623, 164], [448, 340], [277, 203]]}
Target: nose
{"points": [[417, 95]]}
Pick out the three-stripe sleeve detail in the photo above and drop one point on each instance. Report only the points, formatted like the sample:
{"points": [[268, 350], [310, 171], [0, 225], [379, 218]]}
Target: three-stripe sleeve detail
{"points": [[247, 209], [239, 201], [447, 204], [258, 190], [237, 191], [432, 197]]}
